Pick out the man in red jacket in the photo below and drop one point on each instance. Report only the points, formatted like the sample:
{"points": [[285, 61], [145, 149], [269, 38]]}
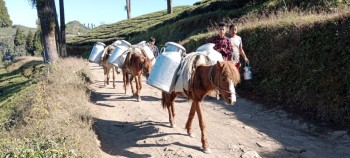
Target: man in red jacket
{"points": [[222, 43]]}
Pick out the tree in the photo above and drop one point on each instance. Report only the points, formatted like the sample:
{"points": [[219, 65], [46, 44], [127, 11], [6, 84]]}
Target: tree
{"points": [[30, 43], [5, 20], [57, 30], [63, 47], [37, 43], [20, 38], [46, 15], [128, 8], [169, 6]]}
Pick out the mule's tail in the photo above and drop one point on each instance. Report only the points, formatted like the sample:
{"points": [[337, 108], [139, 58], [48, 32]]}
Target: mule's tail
{"points": [[165, 99]]}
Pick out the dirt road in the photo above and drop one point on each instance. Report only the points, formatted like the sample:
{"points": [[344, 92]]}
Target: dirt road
{"points": [[126, 128]]}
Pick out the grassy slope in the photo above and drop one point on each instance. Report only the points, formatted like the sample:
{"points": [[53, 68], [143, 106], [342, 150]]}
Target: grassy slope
{"points": [[14, 79], [294, 65], [125, 28], [37, 118]]}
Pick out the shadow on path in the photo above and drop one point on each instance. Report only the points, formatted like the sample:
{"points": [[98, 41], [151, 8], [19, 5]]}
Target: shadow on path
{"points": [[117, 137]]}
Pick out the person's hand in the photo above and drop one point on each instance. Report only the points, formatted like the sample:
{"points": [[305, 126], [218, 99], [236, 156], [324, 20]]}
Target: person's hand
{"points": [[246, 60]]}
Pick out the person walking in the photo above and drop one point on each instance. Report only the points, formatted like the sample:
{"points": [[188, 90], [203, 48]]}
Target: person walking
{"points": [[237, 45], [154, 48], [222, 43]]}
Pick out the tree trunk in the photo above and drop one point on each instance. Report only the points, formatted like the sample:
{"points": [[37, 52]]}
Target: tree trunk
{"points": [[63, 47], [170, 9], [57, 30], [128, 8], [46, 14]]}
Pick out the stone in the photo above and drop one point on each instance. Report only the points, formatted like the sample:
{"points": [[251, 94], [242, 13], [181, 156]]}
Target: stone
{"points": [[338, 133], [247, 116], [293, 149], [304, 126], [250, 154], [263, 144]]}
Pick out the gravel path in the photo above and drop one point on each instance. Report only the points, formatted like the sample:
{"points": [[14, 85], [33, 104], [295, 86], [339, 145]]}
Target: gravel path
{"points": [[126, 128]]}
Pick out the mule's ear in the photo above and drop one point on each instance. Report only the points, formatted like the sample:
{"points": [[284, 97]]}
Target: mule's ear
{"points": [[220, 64]]}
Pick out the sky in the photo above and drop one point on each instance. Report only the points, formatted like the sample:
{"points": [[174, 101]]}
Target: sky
{"points": [[96, 12]]}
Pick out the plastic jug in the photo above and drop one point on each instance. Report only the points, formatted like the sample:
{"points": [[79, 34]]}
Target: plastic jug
{"points": [[247, 74]]}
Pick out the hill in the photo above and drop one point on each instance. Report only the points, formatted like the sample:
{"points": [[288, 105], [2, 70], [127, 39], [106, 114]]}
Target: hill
{"points": [[75, 28], [7, 37]]}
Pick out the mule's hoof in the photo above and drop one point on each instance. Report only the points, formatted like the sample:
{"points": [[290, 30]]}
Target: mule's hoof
{"points": [[191, 135], [207, 150], [173, 126], [138, 99]]}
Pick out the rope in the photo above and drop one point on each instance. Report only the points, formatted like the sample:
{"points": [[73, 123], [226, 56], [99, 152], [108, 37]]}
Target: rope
{"points": [[210, 76]]}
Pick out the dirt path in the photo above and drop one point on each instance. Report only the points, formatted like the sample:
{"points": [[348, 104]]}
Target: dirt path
{"points": [[127, 128]]}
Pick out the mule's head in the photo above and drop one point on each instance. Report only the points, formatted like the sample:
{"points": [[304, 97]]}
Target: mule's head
{"points": [[228, 76], [147, 66], [107, 52]]}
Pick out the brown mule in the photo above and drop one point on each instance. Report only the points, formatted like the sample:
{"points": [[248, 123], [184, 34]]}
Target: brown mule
{"points": [[136, 64], [107, 67], [222, 76]]}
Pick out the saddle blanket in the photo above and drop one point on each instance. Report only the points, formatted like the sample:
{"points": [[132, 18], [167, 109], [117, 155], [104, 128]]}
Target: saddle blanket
{"points": [[187, 69]]}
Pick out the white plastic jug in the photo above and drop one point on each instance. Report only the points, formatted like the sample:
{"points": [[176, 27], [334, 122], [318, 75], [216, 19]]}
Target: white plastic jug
{"points": [[247, 74]]}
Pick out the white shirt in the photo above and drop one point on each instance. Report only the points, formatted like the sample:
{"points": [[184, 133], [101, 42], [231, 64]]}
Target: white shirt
{"points": [[236, 42]]}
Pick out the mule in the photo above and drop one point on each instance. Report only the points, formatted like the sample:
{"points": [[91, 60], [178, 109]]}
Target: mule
{"points": [[136, 64], [107, 67], [222, 77]]}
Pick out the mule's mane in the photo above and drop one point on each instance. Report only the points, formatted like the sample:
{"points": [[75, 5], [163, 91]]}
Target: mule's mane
{"points": [[230, 70]]}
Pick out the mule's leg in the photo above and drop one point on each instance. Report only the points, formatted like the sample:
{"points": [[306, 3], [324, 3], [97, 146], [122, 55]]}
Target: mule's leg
{"points": [[140, 82], [137, 80], [172, 110], [108, 70], [113, 71], [125, 78], [132, 87], [105, 75], [202, 126], [190, 119]]}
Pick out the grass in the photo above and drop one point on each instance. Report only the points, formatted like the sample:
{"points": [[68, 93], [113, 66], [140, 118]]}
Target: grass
{"points": [[45, 121], [13, 81], [125, 28]]}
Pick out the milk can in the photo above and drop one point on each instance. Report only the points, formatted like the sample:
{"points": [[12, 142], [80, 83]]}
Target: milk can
{"points": [[96, 52], [147, 49], [116, 57], [163, 74], [213, 55], [247, 74]]}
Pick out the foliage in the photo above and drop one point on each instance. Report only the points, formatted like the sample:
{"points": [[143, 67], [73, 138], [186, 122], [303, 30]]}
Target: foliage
{"points": [[5, 20], [303, 68], [30, 43], [20, 37], [37, 43]]}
